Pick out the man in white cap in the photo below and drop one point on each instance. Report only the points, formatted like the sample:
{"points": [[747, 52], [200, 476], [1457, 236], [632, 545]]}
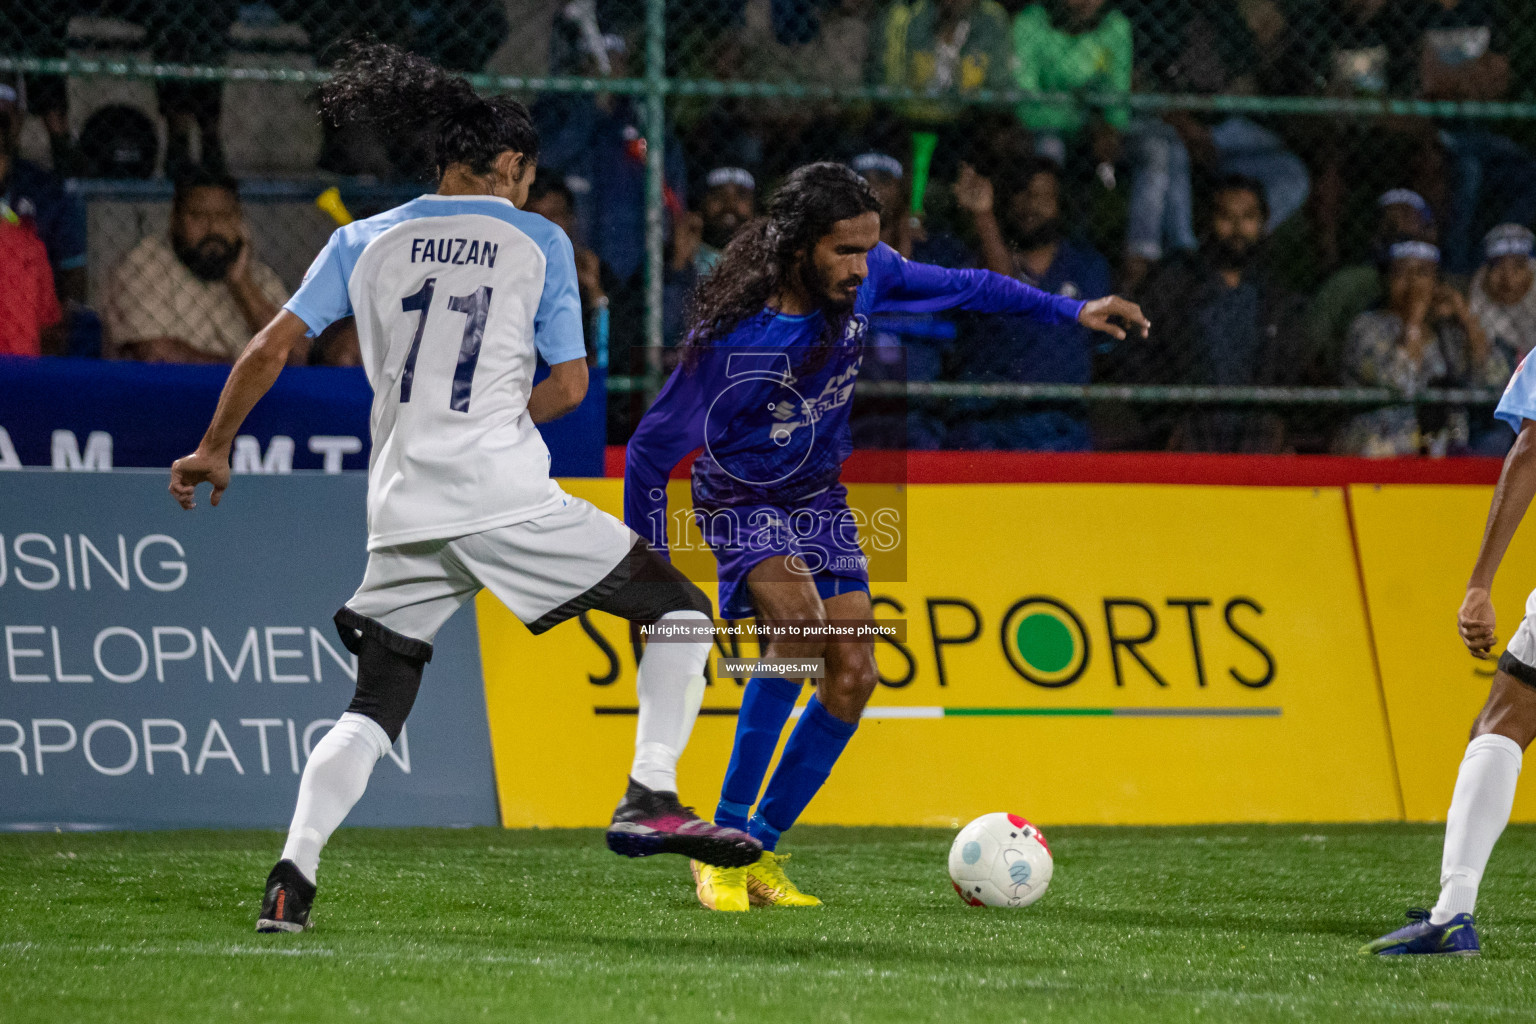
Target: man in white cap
{"points": [[729, 201], [699, 237]]}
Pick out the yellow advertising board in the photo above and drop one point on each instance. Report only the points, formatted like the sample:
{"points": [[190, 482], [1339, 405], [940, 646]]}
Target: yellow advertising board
{"points": [[1075, 652], [1417, 545]]}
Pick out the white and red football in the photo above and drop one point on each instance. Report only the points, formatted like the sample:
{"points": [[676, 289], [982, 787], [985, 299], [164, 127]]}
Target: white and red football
{"points": [[1000, 860]]}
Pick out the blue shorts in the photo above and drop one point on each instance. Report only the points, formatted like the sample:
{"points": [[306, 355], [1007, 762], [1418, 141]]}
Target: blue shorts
{"points": [[820, 529]]}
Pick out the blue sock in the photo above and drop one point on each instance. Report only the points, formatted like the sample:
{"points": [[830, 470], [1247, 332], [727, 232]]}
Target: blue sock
{"points": [[765, 707], [812, 750]]}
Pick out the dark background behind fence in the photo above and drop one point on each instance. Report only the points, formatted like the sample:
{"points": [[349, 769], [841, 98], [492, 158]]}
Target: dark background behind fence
{"points": [[1116, 145]]}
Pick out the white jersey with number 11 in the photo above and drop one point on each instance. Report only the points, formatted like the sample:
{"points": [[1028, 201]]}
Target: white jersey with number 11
{"points": [[455, 297]]}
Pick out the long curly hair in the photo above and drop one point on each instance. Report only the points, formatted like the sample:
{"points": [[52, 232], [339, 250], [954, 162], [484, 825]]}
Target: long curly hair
{"points": [[773, 252], [404, 94]]}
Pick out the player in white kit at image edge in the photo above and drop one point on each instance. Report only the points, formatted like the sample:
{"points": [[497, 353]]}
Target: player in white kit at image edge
{"points": [[456, 295], [1484, 794]]}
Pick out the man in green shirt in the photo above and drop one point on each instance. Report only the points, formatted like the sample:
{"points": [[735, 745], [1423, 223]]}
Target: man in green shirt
{"points": [[1071, 46]]}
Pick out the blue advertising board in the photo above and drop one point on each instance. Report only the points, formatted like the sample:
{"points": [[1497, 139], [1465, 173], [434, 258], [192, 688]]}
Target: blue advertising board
{"points": [[162, 668], [90, 414]]}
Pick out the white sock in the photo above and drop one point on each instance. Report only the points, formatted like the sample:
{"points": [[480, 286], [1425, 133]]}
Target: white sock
{"points": [[1480, 806], [334, 780], [671, 686]]}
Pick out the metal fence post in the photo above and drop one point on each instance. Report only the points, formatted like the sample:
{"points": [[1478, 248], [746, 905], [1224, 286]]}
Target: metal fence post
{"points": [[655, 187]]}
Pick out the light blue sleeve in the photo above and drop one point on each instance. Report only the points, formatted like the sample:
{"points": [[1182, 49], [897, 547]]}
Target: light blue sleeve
{"points": [[322, 298], [1519, 401], [557, 331]]}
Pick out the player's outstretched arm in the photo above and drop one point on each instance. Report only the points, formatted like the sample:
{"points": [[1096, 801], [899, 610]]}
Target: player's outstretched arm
{"points": [[560, 392], [1511, 498], [252, 376], [901, 286], [1101, 314], [671, 428]]}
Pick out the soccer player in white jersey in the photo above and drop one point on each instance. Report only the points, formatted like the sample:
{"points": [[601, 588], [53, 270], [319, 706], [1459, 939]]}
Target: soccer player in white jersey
{"points": [[1485, 784], [455, 296]]}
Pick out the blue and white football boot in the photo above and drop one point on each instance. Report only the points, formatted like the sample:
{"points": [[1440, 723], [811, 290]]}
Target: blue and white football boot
{"points": [[1457, 937]]}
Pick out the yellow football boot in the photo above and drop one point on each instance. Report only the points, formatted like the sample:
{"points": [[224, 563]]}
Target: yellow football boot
{"points": [[769, 886], [720, 888]]}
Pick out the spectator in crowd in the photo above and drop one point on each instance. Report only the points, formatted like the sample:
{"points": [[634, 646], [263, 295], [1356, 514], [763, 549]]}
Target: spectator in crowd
{"points": [[904, 346], [900, 228], [190, 32], [941, 46], [1204, 47], [1462, 55], [198, 295], [551, 199], [1073, 46], [728, 202], [774, 135], [834, 52], [30, 319], [700, 236], [1024, 235], [40, 202], [1424, 336], [1504, 292], [459, 35], [42, 30], [119, 141], [1221, 320], [1349, 48], [597, 144], [1359, 49], [1351, 290]]}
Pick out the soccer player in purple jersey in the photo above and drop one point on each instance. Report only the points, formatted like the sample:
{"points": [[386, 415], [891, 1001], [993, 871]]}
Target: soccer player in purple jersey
{"points": [[764, 388]]}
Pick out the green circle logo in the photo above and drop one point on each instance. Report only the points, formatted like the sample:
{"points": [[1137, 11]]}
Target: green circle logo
{"points": [[1045, 642]]}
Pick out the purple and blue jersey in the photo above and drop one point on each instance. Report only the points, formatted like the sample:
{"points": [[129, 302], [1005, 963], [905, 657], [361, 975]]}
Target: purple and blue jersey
{"points": [[768, 405]]}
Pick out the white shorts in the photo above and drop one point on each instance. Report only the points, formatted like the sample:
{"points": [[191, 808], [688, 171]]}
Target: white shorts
{"points": [[540, 569], [1522, 646]]}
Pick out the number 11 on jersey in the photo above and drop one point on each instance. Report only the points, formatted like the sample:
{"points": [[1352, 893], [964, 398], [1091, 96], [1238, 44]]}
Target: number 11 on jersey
{"points": [[475, 308]]}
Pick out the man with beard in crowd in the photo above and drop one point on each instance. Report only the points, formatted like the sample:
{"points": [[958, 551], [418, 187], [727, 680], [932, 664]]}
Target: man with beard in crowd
{"points": [[1223, 321], [700, 236], [199, 295], [1023, 235]]}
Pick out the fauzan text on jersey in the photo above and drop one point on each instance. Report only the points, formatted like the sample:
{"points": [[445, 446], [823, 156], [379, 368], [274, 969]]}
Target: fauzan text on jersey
{"points": [[458, 251]]}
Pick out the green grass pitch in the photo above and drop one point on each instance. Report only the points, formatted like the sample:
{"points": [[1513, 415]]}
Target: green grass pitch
{"points": [[1241, 923]]}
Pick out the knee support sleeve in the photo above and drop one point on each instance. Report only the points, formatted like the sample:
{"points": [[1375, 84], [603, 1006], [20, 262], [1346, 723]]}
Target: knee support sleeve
{"points": [[389, 667]]}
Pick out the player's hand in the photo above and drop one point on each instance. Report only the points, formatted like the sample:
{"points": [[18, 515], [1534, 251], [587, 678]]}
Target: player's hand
{"points": [[188, 472], [1101, 314], [973, 192], [1475, 623]]}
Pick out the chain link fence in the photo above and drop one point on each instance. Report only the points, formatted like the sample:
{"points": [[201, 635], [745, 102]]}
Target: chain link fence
{"points": [[1261, 174]]}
